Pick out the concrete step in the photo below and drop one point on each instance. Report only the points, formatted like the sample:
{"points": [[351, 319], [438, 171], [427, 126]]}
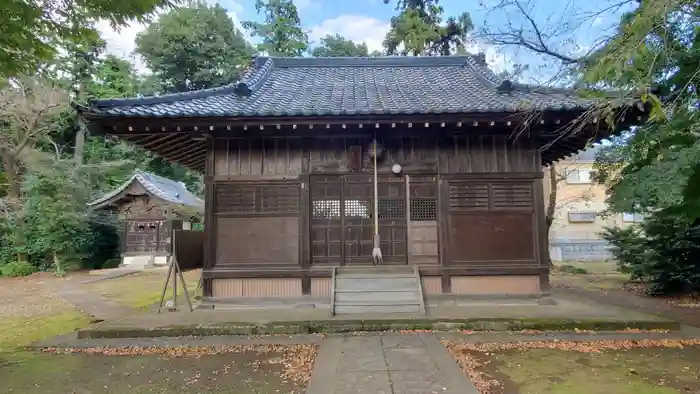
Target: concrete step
{"points": [[376, 284], [389, 269], [361, 275], [378, 297], [351, 309]]}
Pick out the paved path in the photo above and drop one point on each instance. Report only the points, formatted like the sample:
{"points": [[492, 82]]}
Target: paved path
{"points": [[113, 274], [632, 302], [90, 302], [390, 363]]}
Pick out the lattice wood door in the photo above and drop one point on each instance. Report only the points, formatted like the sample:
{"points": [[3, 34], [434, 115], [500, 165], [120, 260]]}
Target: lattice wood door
{"points": [[147, 236], [342, 219]]}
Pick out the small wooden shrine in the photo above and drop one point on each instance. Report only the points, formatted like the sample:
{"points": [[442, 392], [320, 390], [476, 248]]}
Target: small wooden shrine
{"points": [[151, 207]]}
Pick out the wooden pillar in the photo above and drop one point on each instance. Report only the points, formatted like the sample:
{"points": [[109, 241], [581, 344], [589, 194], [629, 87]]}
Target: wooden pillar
{"points": [[209, 223], [541, 244]]}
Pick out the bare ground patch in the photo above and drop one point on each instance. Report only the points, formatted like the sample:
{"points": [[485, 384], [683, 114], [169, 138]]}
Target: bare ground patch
{"points": [[235, 369], [26, 297], [620, 367]]}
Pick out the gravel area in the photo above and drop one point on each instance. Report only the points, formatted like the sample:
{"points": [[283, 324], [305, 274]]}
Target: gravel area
{"points": [[28, 298]]}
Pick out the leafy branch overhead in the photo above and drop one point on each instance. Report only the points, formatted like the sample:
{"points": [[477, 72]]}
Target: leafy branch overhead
{"points": [[31, 31]]}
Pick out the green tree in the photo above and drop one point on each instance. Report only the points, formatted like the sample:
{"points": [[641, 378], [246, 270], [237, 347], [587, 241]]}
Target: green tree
{"points": [[420, 29], [31, 31], [664, 71], [114, 78], [281, 33], [194, 47], [337, 45]]}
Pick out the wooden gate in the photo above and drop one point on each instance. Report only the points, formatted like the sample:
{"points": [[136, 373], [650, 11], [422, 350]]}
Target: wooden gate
{"points": [[342, 223]]}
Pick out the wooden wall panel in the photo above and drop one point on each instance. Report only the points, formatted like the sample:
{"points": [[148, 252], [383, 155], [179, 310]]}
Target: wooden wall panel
{"points": [[321, 287], [264, 156], [431, 285], [487, 153], [492, 236], [257, 240], [277, 287], [423, 242], [491, 223], [502, 284]]}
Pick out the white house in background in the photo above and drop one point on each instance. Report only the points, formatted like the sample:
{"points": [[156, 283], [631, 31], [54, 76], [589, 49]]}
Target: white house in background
{"points": [[575, 232]]}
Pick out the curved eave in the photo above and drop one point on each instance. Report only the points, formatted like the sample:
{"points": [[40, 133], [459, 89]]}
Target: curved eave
{"points": [[115, 195]]}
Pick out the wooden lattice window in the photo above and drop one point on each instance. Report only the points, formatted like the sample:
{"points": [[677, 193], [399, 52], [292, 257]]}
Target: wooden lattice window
{"points": [[423, 199], [257, 199]]}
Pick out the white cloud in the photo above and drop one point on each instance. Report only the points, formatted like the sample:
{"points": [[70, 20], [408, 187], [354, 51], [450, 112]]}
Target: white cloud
{"points": [[354, 27], [122, 43], [496, 59], [302, 4]]}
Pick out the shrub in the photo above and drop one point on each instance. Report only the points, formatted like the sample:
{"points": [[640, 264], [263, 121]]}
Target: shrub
{"points": [[17, 268], [663, 250], [570, 269]]}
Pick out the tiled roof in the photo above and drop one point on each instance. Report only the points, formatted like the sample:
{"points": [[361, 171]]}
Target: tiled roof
{"points": [[164, 188], [352, 86], [587, 155]]}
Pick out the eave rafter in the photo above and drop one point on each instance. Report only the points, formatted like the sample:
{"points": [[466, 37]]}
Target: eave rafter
{"points": [[182, 140]]}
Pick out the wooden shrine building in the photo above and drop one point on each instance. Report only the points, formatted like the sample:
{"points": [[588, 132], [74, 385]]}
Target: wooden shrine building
{"points": [[150, 207], [287, 154]]}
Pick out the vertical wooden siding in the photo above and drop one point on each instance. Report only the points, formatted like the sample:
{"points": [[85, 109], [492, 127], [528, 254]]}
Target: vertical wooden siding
{"points": [[288, 156]]}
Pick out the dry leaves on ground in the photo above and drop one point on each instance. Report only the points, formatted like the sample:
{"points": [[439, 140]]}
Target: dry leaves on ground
{"points": [[464, 353], [27, 298], [297, 360]]}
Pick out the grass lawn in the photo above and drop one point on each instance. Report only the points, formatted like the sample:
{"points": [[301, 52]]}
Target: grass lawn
{"points": [[637, 370], [600, 275], [28, 313], [143, 289]]}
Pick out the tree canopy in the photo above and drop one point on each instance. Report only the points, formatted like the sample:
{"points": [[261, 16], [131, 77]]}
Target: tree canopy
{"points": [[280, 33], [337, 45], [194, 47], [420, 29]]}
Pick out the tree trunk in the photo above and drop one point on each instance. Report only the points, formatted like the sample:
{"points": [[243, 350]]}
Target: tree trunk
{"points": [[551, 207], [14, 196], [57, 262], [14, 184], [79, 145]]}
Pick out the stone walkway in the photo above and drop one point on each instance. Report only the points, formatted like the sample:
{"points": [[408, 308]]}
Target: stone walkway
{"points": [[390, 363], [89, 302]]}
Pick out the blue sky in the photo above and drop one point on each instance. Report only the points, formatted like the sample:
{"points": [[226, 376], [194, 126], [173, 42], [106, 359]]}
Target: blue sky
{"points": [[368, 21]]}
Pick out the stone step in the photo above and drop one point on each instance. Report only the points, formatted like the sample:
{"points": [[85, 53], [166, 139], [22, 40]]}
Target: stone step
{"points": [[351, 309], [379, 297]]}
